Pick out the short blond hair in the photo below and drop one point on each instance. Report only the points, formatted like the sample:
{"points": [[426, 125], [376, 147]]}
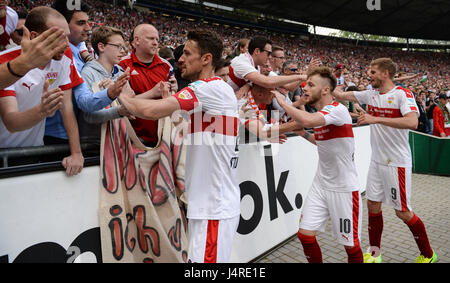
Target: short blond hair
{"points": [[385, 64]]}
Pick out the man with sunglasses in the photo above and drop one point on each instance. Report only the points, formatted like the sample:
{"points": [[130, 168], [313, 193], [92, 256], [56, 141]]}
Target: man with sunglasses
{"points": [[245, 67]]}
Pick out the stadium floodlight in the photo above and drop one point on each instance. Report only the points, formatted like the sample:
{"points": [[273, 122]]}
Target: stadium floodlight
{"points": [[217, 6]]}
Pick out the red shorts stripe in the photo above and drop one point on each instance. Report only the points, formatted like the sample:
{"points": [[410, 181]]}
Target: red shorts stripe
{"points": [[211, 241], [355, 198], [402, 188]]}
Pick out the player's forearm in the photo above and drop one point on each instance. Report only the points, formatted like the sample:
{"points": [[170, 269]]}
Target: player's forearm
{"points": [[19, 66], [278, 81], [70, 124], [345, 95], [293, 85], [21, 121], [410, 123], [301, 117]]}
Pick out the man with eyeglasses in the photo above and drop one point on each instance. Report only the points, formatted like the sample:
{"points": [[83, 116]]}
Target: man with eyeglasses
{"points": [[109, 44], [277, 60]]}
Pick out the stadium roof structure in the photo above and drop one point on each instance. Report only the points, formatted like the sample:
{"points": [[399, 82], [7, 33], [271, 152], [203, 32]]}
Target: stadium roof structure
{"points": [[418, 19]]}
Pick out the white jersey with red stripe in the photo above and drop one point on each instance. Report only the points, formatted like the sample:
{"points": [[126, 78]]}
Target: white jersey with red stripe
{"points": [[240, 66], [28, 92], [211, 158], [336, 146], [390, 146]]}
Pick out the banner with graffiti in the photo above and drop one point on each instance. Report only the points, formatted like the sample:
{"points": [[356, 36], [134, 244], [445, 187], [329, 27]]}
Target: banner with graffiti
{"points": [[141, 215]]}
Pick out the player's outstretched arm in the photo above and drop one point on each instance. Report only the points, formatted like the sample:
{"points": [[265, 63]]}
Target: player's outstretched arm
{"points": [[150, 109], [273, 82], [409, 121], [344, 95], [305, 119]]}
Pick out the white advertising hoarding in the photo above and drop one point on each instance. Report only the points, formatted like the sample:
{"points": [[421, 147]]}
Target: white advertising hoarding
{"points": [[49, 217]]}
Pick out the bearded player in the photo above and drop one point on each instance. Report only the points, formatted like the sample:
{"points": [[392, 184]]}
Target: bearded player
{"points": [[335, 190], [392, 112]]}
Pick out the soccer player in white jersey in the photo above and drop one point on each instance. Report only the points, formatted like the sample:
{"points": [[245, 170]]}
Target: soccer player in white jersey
{"points": [[392, 112], [335, 190], [212, 188]]}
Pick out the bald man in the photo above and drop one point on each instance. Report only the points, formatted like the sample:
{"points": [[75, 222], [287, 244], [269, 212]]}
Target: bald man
{"points": [[147, 69]]}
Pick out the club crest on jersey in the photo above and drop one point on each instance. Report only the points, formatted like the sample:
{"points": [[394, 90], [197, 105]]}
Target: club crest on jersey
{"points": [[51, 77], [390, 99], [185, 94]]}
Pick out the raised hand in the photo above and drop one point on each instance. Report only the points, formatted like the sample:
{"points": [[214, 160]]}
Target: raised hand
{"points": [[51, 100], [115, 90]]}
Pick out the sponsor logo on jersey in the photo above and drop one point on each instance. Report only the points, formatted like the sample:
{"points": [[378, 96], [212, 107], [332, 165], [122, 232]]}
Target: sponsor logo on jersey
{"points": [[28, 86]]}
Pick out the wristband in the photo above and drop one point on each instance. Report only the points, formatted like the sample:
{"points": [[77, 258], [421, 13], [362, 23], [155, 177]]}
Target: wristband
{"points": [[11, 71]]}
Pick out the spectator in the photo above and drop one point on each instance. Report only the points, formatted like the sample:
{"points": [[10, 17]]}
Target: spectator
{"points": [[34, 53], [147, 70], [339, 74], [8, 23], [109, 44], [256, 122], [242, 47], [182, 83], [423, 119], [57, 75], [290, 68], [441, 117], [222, 69], [16, 35], [166, 53], [79, 27], [85, 100], [429, 107], [277, 60]]}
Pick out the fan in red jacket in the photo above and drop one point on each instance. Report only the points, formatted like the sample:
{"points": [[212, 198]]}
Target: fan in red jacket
{"points": [[441, 117]]}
